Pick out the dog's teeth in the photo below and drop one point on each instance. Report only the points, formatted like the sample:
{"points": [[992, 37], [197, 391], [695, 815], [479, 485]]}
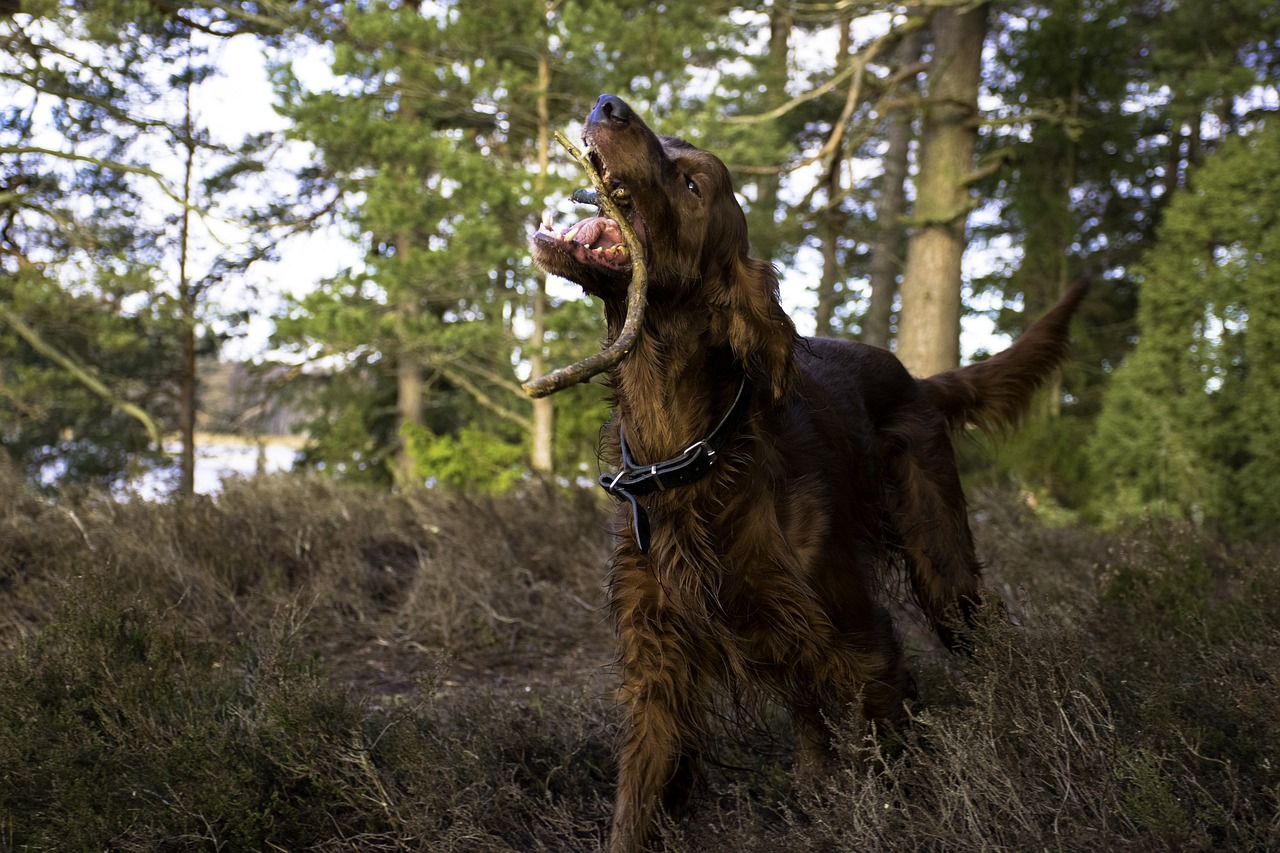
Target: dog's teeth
{"points": [[570, 234]]}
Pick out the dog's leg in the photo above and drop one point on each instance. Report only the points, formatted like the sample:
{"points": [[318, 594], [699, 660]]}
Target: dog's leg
{"points": [[930, 519], [886, 682], [830, 682], [664, 720], [813, 738], [657, 764]]}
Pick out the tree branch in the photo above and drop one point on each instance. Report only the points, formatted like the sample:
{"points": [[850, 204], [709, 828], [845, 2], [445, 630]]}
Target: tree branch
{"points": [[484, 399], [994, 162], [501, 381], [857, 66], [98, 161], [856, 69], [80, 373]]}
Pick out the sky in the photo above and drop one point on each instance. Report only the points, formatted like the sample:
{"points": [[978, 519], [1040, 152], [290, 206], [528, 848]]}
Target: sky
{"points": [[237, 103]]}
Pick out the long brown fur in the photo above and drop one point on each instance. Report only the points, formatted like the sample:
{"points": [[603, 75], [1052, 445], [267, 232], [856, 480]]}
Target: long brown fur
{"points": [[762, 576]]}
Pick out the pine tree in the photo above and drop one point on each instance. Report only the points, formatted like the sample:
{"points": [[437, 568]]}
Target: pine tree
{"points": [[85, 363], [109, 293], [1094, 121], [435, 137], [1189, 424]]}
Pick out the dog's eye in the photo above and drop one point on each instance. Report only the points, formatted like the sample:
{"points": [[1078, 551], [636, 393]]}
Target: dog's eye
{"points": [[692, 185]]}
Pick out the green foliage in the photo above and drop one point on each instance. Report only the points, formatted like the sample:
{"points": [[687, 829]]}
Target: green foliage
{"points": [[1047, 457], [52, 423], [74, 255], [434, 208], [1189, 423], [1064, 65], [432, 133], [1104, 108], [473, 460], [427, 148]]}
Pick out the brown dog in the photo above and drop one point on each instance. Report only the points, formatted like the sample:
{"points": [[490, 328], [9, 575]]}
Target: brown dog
{"points": [[765, 478]]}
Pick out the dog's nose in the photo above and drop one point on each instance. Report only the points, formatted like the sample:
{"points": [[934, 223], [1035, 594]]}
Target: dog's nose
{"points": [[611, 110]]}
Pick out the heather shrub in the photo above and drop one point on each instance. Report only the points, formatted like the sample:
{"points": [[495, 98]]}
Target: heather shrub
{"points": [[298, 664]]}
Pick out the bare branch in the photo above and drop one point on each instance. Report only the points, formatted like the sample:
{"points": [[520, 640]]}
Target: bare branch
{"points": [[493, 376], [856, 67], [856, 70], [98, 161]]}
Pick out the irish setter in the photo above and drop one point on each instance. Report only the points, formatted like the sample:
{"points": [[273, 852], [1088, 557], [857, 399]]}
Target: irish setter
{"points": [[764, 479]]}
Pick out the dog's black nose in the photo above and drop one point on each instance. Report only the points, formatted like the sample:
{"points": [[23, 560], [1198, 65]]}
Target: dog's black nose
{"points": [[610, 109]]}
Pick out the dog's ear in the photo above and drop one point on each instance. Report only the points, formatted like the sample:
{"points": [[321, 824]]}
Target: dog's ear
{"points": [[761, 334]]}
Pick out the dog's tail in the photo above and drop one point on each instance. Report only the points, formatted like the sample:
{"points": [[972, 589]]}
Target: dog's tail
{"points": [[993, 395]]}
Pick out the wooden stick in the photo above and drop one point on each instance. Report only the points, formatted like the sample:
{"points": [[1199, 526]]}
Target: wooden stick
{"points": [[637, 297]]}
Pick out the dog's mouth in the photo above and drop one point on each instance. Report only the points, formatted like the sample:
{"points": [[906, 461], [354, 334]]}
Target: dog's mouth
{"points": [[596, 253], [597, 241]]}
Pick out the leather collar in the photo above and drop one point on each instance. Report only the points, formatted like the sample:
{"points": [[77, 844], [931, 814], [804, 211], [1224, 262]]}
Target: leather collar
{"points": [[692, 464]]}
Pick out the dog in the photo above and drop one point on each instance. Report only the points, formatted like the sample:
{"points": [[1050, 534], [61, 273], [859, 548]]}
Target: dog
{"points": [[764, 480]]}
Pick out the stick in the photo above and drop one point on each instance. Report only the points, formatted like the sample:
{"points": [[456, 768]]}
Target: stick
{"points": [[637, 297]]}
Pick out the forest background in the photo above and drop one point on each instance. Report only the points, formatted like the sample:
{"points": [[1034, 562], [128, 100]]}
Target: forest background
{"points": [[901, 164], [337, 659]]}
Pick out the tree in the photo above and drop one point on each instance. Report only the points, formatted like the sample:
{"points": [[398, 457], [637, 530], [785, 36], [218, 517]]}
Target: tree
{"points": [[889, 247], [442, 150], [109, 284], [1189, 424], [1092, 114], [84, 361], [929, 325]]}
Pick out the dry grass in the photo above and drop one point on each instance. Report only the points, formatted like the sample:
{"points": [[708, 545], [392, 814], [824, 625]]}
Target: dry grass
{"points": [[302, 666]]}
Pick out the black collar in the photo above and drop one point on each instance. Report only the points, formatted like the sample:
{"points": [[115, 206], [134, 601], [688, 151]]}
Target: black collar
{"points": [[633, 480]]}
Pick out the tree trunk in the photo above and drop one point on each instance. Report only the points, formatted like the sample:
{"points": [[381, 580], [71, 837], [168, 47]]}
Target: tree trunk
{"points": [[410, 389], [542, 437], [929, 326], [542, 434], [831, 222], [890, 234], [409, 386], [187, 393], [764, 241]]}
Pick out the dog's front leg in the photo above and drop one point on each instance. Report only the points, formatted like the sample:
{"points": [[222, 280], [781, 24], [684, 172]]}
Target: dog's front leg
{"points": [[664, 719]]}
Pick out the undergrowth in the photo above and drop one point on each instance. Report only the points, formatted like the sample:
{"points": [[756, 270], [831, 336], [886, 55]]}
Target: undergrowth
{"points": [[296, 665]]}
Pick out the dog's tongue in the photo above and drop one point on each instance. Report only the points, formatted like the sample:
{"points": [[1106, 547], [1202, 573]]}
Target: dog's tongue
{"points": [[598, 232]]}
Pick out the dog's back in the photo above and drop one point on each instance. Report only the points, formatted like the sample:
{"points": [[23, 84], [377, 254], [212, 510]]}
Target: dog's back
{"points": [[890, 434]]}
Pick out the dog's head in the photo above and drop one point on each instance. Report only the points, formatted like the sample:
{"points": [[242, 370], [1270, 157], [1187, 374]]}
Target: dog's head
{"points": [[680, 201]]}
